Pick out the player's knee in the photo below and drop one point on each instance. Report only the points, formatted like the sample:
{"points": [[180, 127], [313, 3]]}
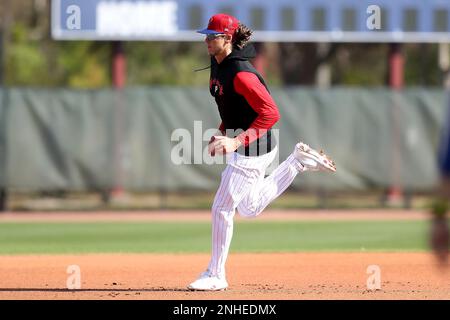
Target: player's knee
{"points": [[248, 211], [246, 214], [220, 209]]}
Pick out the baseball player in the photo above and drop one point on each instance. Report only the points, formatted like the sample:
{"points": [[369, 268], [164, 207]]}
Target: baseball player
{"points": [[248, 113]]}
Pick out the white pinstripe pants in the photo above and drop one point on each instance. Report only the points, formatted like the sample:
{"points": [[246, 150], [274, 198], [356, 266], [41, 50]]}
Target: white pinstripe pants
{"points": [[244, 187]]}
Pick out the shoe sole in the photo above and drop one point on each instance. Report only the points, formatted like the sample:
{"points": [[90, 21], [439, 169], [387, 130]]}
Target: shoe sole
{"points": [[195, 289], [323, 163], [322, 160]]}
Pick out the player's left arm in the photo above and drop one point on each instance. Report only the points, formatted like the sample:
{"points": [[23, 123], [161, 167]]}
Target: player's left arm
{"points": [[248, 85]]}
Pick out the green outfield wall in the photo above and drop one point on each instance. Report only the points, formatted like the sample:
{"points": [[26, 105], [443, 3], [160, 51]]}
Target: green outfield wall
{"points": [[60, 139]]}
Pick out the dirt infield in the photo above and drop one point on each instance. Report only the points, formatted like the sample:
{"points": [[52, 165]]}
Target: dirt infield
{"points": [[251, 276], [204, 215]]}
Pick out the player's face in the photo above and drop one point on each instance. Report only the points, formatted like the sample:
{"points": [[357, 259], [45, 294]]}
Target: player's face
{"points": [[216, 43]]}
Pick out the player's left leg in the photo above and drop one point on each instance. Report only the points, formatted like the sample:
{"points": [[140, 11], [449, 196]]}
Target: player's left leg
{"points": [[266, 190]]}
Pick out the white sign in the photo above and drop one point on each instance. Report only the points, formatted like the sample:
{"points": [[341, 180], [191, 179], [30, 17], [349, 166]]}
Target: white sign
{"points": [[141, 18]]}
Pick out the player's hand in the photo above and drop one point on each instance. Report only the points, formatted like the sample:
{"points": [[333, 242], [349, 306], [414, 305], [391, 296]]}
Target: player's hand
{"points": [[222, 145]]}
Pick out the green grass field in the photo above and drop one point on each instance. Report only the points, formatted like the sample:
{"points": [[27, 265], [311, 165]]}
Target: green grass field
{"points": [[183, 237]]}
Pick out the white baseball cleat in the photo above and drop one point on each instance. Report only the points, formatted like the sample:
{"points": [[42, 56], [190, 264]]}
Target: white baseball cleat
{"points": [[204, 274], [313, 160], [209, 283]]}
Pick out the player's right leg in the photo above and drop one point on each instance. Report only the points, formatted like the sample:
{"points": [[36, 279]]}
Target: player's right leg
{"points": [[237, 179]]}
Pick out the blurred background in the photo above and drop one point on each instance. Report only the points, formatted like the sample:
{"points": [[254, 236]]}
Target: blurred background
{"points": [[92, 90]]}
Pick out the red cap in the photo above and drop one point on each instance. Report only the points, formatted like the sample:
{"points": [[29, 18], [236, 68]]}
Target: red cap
{"points": [[221, 23]]}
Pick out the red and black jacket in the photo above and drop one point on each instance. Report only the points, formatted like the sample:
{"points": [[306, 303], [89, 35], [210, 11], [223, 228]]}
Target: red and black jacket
{"points": [[244, 101]]}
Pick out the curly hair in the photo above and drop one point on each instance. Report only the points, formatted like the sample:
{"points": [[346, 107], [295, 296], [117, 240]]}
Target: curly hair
{"points": [[242, 36]]}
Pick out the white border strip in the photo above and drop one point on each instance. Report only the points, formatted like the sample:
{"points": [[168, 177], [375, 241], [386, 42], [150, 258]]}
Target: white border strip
{"points": [[57, 33], [272, 36]]}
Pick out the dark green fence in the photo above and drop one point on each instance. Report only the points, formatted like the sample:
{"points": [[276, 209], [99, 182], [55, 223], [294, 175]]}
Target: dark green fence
{"points": [[97, 139]]}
